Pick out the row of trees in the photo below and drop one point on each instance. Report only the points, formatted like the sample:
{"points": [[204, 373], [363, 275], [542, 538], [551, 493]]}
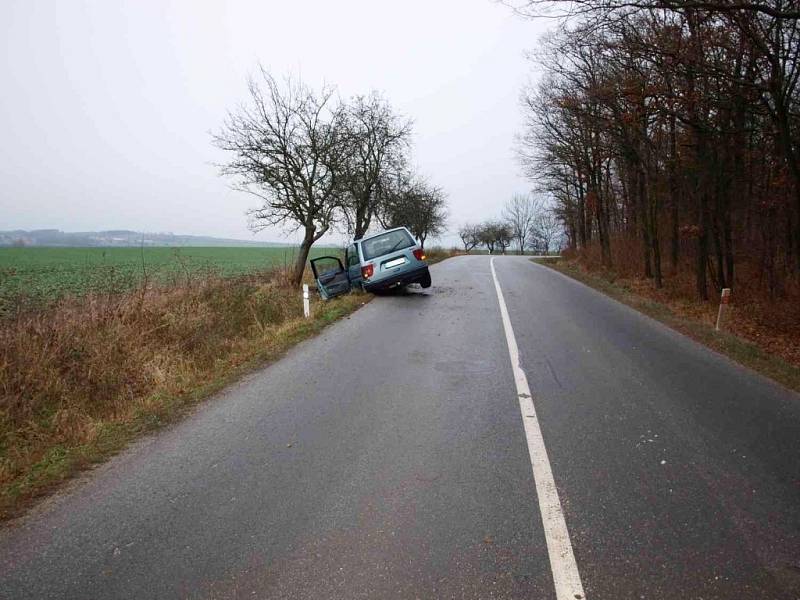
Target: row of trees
{"points": [[316, 161], [493, 234], [527, 223], [676, 124]]}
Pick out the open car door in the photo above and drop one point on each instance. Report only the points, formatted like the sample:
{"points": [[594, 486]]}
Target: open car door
{"points": [[330, 276]]}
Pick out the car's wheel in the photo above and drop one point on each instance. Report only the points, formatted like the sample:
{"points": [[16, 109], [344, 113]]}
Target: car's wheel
{"points": [[426, 281]]}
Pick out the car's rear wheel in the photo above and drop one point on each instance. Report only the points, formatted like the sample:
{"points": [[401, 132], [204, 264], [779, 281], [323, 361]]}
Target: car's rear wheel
{"points": [[426, 281]]}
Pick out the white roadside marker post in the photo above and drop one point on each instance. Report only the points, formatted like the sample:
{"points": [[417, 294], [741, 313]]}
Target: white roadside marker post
{"points": [[724, 300], [306, 307]]}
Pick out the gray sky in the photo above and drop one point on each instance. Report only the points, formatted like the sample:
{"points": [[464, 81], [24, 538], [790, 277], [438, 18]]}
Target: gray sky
{"points": [[107, 105]]}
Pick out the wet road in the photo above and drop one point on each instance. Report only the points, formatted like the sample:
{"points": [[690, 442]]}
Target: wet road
{"points": [[390, 458]]}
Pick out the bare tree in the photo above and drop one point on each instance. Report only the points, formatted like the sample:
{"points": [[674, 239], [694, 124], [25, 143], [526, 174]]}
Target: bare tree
{"points": [[519, 213], [546, 230], [414, 203], [673, 121], [377, 140], [488, 235], [470, 236], [431, 220], [504, 236], [496, 234], [287, 148]]}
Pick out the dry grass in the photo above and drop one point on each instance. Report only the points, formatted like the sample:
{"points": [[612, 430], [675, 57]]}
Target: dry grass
{"points": [[83, 377], [437, 254]]}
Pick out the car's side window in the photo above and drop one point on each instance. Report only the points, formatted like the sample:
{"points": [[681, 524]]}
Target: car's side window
{"points": [[352, 256]]}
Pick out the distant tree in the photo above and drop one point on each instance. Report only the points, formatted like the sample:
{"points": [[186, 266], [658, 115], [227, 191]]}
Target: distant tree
{"points": [[546, 229], [470, 236], [377, 140], [504, 236], [287, 148], [487, 234], [412, 202], [496, 234], [520, 213]]}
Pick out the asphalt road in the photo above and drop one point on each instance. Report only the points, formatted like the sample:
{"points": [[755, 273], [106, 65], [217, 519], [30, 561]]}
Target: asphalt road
{"points": [[387, 458]]}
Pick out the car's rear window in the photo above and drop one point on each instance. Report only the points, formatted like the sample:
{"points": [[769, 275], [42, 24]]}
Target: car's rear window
{"points": [[386, 243]]}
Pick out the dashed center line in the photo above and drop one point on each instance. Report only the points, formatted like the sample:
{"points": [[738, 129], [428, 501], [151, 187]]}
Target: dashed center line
{"points": [[559, 548]]}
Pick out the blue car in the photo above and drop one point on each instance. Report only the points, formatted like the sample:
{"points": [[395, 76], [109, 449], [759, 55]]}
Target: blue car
{"points": [[378, 262]]}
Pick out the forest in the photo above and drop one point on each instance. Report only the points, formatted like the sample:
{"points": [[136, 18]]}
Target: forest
{"points": [[667, 134]]}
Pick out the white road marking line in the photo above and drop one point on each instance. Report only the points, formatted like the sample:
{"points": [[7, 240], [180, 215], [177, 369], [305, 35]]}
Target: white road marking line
{"points": [[562, 559]]}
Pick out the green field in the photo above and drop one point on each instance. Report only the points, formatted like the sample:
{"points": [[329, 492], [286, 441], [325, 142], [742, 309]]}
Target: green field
{"points": [[38, 275]]}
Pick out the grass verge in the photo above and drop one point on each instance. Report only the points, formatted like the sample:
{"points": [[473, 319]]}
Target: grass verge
{"points": [[740, 350], [83, 378], [436, 254]]}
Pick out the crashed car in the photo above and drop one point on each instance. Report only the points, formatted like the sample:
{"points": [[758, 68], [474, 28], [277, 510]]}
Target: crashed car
{"points": [[378, 262]]}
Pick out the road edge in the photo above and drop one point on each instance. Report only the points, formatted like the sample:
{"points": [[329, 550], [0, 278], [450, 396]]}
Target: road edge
{"points": [[79, 462], [74, 463], [733, 348]]}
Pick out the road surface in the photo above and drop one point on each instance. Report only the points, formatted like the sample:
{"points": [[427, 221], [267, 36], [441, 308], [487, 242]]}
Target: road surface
{"points": [[390, 458]]}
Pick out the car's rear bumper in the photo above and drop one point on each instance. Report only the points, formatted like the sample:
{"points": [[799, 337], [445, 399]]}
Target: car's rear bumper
{"points": [[404, 278]]}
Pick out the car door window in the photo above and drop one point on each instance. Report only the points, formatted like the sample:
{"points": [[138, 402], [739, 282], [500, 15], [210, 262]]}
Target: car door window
{"points": [[326, 267], [352, 256], [331, 276]]}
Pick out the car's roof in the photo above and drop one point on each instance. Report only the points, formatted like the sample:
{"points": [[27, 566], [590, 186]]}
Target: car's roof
{"points": [[377, 233]]}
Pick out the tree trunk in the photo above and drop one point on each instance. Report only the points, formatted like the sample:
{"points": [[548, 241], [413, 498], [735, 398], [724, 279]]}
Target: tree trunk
{"points": [[657, 260], [644, 220], [605, 242], [654, 240], [702, 249], [305, 246], [673, 192], [783, 124], [700, 156], [728, 240], [719, 255], [363, 216], [582, 235]]}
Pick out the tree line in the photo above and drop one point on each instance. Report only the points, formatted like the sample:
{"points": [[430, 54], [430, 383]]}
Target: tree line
{"points": [[527, 224], [316, 161], [674, 126]]}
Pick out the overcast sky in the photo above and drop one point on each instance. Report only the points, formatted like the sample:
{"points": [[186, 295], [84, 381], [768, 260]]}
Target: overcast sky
{"points": [[107, 105]]}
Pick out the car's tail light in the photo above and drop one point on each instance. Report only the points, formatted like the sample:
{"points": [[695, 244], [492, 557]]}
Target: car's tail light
{"points": [[419, 254], [367, 271]]}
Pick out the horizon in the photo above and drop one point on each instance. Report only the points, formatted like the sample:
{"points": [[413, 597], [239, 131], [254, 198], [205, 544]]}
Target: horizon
{"points": [[123, 99], [329, 240], [144, 234]]}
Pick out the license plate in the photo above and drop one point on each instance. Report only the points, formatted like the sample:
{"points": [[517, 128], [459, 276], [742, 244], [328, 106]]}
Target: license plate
{"points": [[395, 262]]}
